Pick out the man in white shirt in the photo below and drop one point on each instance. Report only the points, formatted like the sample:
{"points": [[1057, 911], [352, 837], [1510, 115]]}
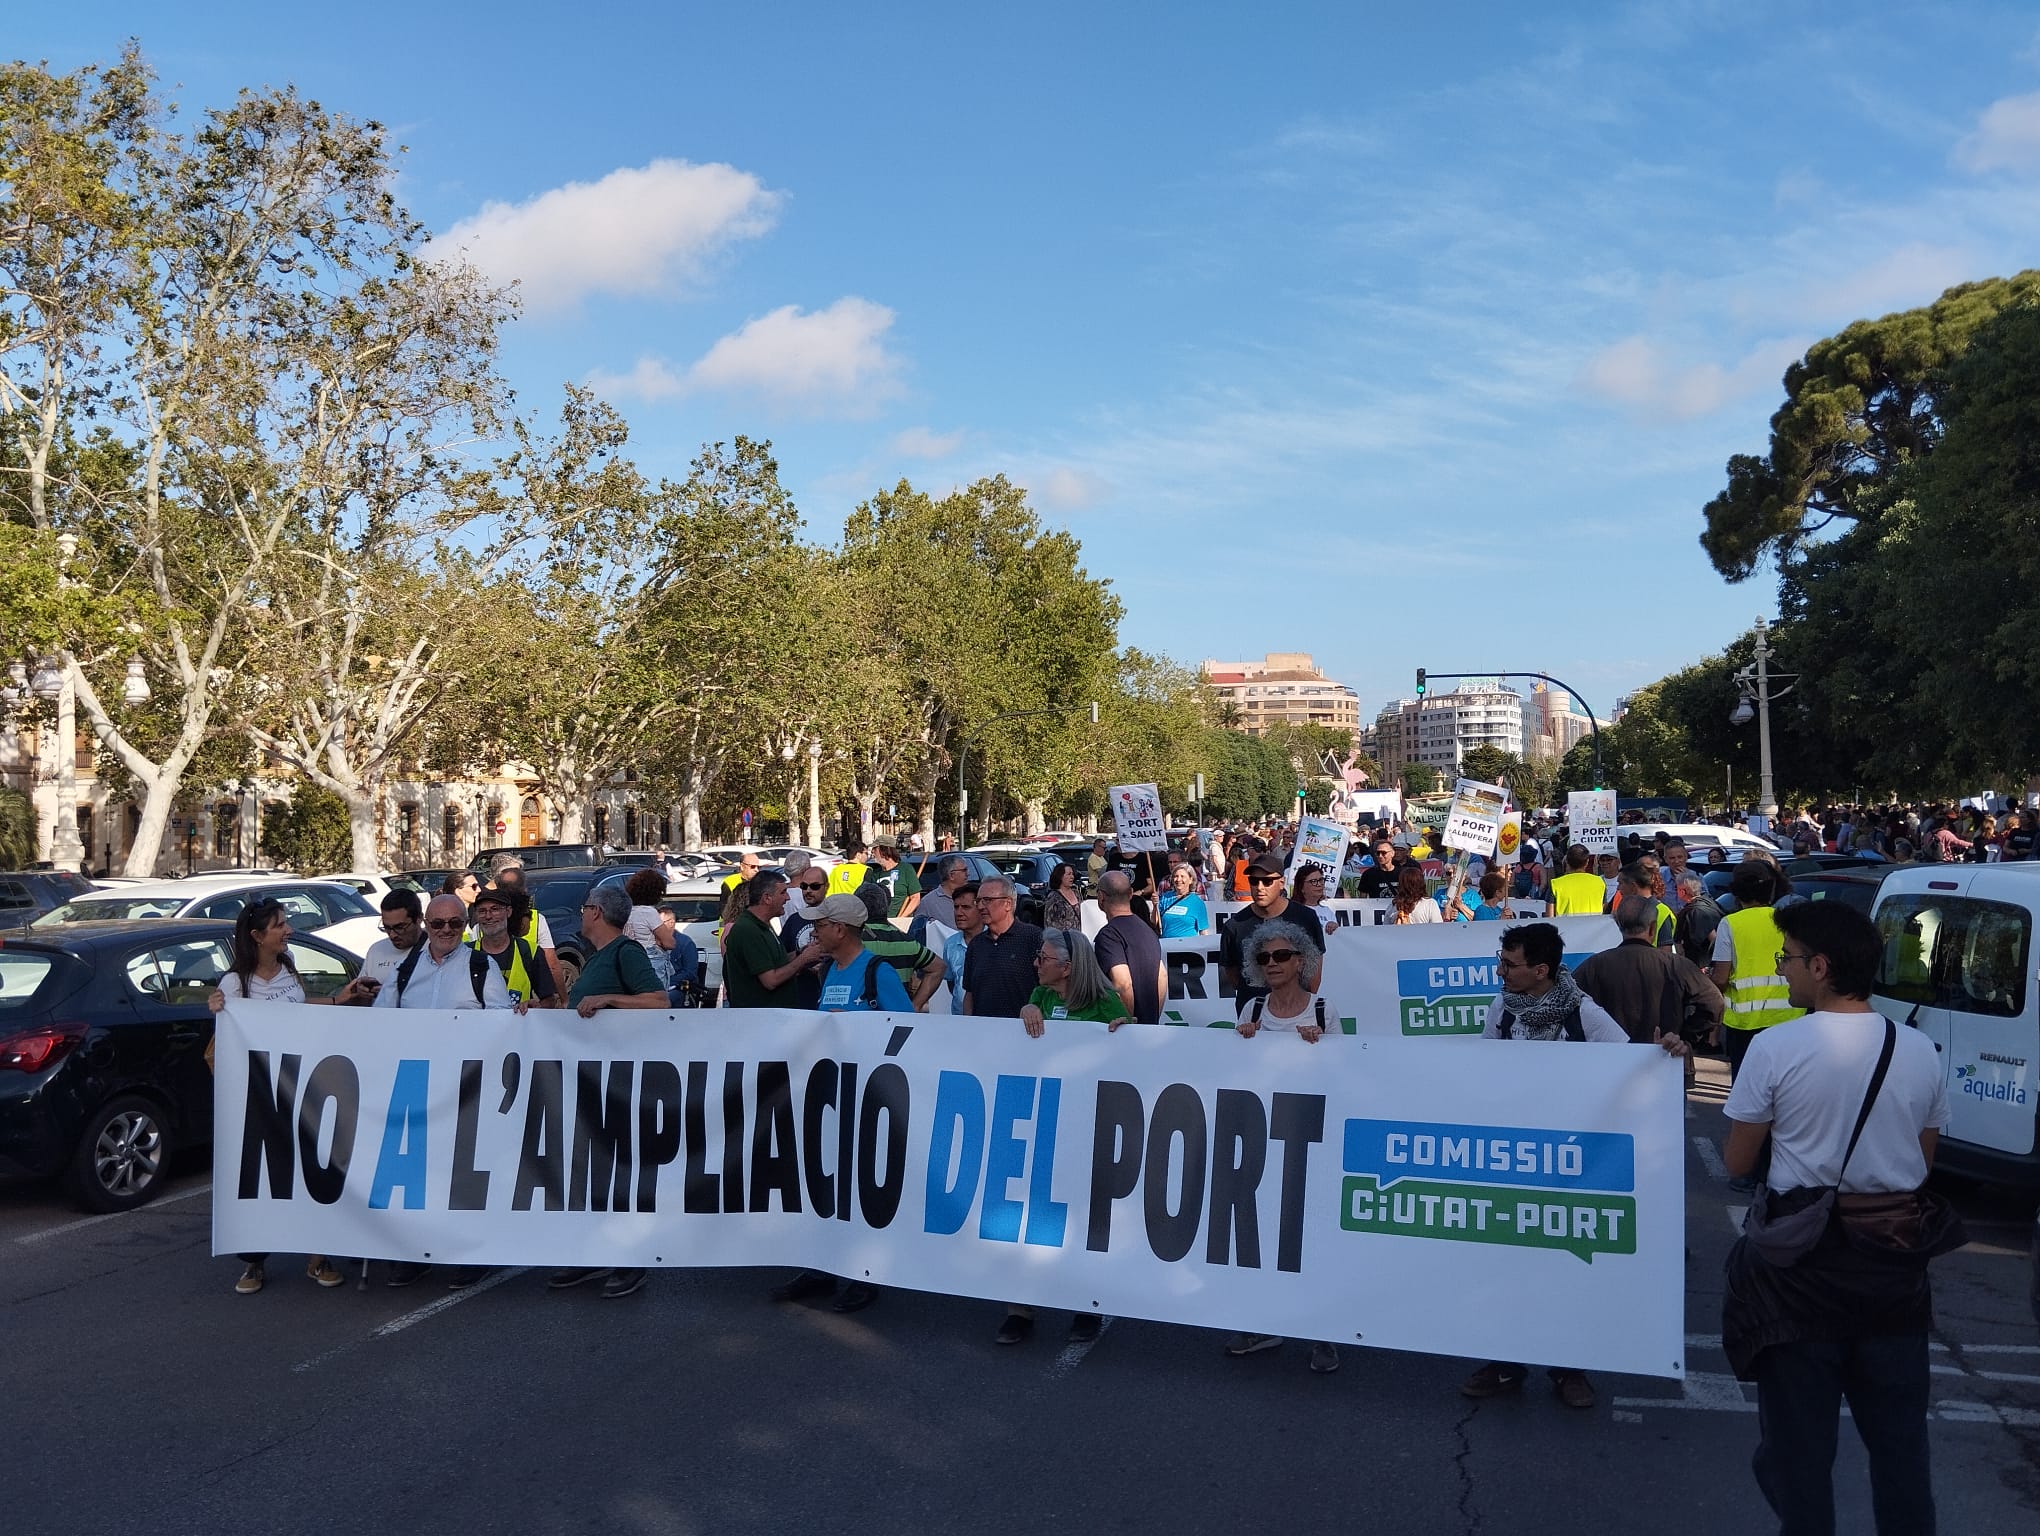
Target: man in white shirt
{"points": [[441, 974], [1839, 1323], [403, 920]]}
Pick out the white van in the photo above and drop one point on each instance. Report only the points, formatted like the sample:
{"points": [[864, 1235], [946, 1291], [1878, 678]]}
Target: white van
{"points": [[1959, 966]]}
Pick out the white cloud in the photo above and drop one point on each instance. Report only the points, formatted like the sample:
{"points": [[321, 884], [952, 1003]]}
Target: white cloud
{"points": [[639, 230], [1636, 372], [1913, 274], [1069, 490], [2006, 137], [832, 359], [926, 443]]}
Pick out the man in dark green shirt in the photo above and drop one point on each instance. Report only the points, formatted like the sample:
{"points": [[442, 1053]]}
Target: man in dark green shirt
{"points": [[756, 970]]}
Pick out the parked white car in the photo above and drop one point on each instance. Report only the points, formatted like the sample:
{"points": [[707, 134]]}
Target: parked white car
{"points": [[335, 912]]}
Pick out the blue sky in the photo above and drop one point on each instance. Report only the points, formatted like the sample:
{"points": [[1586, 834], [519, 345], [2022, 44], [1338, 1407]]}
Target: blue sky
{"points": [[1401, 340]]}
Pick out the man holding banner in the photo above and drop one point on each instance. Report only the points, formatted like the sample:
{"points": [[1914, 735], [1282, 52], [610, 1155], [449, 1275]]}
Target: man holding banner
{"points": [[1541, 1001]]}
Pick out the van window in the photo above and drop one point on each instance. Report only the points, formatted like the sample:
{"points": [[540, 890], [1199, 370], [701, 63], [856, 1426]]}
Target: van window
{"points": [[1955, 952]]}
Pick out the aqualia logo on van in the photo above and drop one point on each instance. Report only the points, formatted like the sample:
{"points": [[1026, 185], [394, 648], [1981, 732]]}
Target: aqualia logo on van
{"points": [[1990, 1089], [1450, 996], [1512, 1185]]}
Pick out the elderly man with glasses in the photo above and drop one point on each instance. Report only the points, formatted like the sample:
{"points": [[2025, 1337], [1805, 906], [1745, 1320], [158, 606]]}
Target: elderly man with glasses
{"points": [[437, 973], [998, 967]]}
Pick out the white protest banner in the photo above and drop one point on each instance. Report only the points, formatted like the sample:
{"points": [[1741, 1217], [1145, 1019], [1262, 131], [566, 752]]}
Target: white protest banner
{"points": [[1369, 1191], [1137, 813], [1475, 820], [1590, 819], [1422, 981], [1509, 841], [1320, 843]]}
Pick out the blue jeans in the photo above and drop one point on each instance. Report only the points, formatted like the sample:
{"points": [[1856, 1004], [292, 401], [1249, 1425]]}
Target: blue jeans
{"points": [[1800, 1390]]}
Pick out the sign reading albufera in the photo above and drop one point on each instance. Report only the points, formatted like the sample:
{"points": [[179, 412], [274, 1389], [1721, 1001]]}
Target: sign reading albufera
{"points": [[1369, 1191]]}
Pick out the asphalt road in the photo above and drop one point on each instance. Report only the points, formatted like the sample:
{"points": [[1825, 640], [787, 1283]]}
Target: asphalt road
{"points": [[141, 1393]]}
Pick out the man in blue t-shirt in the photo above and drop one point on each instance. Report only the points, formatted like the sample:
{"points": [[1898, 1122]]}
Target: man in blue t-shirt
{"points": [[856, 981], [851, 983]]}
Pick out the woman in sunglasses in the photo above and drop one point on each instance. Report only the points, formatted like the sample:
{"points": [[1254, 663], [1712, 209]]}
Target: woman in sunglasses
{"points": [[1284, 959], [262, 972]]}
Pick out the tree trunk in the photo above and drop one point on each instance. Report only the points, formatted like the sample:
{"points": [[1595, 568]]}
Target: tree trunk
{"points": [[867, 801], [793, 804], [159, 798], [572, 813], [690, 819], [361, 826]]}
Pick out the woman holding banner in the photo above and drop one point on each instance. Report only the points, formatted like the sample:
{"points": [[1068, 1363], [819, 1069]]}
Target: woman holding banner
{"points": [[1072, 987], [1284, 959]]}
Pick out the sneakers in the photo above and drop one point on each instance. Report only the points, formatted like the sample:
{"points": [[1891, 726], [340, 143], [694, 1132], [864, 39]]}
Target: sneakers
{"points": [[1574, 1390], [321, 1269], [250, 1281], [623, 1282], [402, 1274], [567, 1279], [1492, 1380], [856, 1297], [1251, 1343], [809, 1282], [1016, 1327], [1085, 1327], [1324, 1358]]}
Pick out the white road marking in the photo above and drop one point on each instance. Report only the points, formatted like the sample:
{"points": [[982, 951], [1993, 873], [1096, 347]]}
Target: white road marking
{"points": [[1736, 1213], [1710, 1155], [1986, 1413], [1073, 1354], [1623, 1416], [398, 1324], [93, 1221]]}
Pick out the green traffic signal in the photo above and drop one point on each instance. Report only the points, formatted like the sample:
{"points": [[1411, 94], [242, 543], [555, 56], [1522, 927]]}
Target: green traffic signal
{"points": [[1420, 682]]}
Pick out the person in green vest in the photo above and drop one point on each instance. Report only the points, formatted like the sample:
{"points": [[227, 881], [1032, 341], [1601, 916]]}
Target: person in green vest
{"points": [[1579, 891], [1745, 967]]}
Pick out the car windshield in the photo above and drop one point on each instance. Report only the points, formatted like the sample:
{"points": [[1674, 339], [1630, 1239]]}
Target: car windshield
{"points": [[1012, 863], [100, 909], [20, 974]]}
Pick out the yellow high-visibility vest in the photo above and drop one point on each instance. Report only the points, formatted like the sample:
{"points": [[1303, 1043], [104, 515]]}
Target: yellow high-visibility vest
{"points": [[1757, 994], [844, 878], [1572, 895]]}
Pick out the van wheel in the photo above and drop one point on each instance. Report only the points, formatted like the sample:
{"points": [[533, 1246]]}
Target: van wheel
{"points": [[569, 972], [123, 1156]]}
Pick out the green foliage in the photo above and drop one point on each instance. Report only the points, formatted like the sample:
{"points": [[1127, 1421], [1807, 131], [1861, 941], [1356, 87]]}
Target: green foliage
{"points": [[311, 834], [17, 830], [1419, 779], [1317, 797], [1859, 407], [1489, 764]]}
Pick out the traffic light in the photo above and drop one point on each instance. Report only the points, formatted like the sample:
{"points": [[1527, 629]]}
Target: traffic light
{"points": [[1420, 682]]}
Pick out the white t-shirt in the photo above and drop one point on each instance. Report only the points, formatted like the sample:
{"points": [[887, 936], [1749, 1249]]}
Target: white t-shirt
{"points": [[447, 983], [544, 939], [1805, 1079], [1327, 918], [283, 987], [1270, 1019], [382, 960], [1091, 917], [1596, 1023], [1425, 911]]}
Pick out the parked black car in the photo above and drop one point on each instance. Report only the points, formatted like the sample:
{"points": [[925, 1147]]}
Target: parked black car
{"points": [[543, 856], [1028, 872], [26, 894], [103, 1030]]}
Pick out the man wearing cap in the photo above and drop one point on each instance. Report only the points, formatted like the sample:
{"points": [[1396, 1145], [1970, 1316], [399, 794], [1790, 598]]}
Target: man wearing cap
{"points": [[525, 972], [855, 982], [506, 873], [1268, 901]]}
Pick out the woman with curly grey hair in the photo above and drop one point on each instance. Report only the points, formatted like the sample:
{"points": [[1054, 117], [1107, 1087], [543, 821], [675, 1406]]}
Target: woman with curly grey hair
{"points": [[1285, 960]]}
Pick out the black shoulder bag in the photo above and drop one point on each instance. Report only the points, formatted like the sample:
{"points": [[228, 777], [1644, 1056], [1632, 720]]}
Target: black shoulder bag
{"points": [[1785, 1227]]}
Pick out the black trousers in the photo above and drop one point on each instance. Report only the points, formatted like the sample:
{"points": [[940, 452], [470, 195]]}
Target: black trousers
{"points": [[1800, 1390]]}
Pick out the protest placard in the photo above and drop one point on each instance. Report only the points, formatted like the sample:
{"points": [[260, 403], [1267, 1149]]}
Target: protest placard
{"points": [[1137, 813], [1590, 819], [1382, 1192], [1322, 844], [1475, 820], [1509, 841]]}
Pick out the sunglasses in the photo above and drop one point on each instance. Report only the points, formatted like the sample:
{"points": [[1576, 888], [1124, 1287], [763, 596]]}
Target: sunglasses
{"points": [[1264, 879], [819, 885], [437, 924], [1276, 956]]}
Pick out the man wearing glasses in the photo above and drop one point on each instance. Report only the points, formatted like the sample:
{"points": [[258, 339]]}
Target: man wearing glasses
{"points": [[810, 885], [436, 974], [403, 926], [756, 970], [1268, 902], [998, 968]]}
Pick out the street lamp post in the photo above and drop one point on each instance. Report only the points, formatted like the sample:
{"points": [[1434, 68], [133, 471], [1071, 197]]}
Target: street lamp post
{"points": [[1755, 681]]}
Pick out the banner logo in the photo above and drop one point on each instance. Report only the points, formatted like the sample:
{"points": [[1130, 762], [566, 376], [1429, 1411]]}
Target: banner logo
{"points": [[1450, 995], [1519, 1187]]}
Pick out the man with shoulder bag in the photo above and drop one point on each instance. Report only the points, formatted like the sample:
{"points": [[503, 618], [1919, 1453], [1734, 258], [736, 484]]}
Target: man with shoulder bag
{"points": [[1827, 1295]]}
